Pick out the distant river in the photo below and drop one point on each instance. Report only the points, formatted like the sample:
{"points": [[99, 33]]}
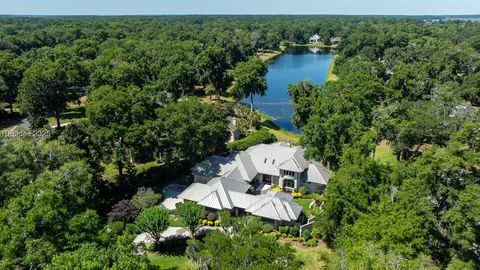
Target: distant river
{"points": [[296, 64]]}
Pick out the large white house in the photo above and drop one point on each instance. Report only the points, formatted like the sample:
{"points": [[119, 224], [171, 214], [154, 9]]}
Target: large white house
{"points": [[277, 165], [314, 39], [223, 182]]}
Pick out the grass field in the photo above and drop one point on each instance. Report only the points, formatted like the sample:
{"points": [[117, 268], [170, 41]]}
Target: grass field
{"points": [[384, 153], [74, 112], [171, 262], [311, 257], [304, 203]]}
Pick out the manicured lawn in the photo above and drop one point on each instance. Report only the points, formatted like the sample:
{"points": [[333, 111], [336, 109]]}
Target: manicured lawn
{"points": [[110, 172], [310, 256], [331, 76], [176, 223], [171, 262], [304, 203], [384, 153], [74, 112], [143, 167]]}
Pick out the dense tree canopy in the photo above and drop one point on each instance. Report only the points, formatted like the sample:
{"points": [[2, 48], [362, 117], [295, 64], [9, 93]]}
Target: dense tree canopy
{"points": [[409, 83], [411, 86]]}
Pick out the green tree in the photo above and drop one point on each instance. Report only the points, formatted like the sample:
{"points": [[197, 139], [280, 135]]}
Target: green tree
{"points": [[113, 115], [153, 221], [44, 90], [249, 79], [302, 95], [10, 77], [190, 130], [145, 198], [190, 213], [226, 221], [211, 66]]}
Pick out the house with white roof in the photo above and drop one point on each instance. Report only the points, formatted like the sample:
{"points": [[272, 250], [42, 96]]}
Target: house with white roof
{"points": [[315, 39], [221, 193], [275, 165], [223, 182]]}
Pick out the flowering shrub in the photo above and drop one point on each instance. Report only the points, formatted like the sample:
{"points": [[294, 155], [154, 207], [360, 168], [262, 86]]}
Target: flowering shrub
{"points": [[296, 194], [277, 189]]}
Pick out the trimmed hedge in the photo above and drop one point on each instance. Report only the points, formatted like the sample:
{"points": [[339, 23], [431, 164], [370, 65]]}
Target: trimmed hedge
{"points": [[267, 228], [261, 136]]}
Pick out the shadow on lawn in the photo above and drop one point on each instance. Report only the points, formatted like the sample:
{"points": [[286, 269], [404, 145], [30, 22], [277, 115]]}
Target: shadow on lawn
{"points": [[74, 113]]}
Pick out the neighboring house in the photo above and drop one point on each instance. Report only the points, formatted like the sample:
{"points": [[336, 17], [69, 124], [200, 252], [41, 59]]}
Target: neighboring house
{"points": [[335, 40], [232, 127], [273, 165], [221, 193], [315, 39]]}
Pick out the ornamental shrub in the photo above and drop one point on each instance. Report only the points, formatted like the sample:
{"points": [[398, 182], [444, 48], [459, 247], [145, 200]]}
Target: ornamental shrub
{"points": [[303, 190], [204, 222], [284, 235], [293, 231], [212, 216], [267, 228], [283, 229], [210, 223], [217, 222], [315, 233], [306, 234], [259, 137]]}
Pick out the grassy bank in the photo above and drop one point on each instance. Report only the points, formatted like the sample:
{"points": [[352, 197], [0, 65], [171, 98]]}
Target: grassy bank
{"points": [[316, 45], [330, 75], [280, 134], [265, 56], [270, 54]]}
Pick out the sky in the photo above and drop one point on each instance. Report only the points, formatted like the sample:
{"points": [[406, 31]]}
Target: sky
{"points": [[161, 7]]}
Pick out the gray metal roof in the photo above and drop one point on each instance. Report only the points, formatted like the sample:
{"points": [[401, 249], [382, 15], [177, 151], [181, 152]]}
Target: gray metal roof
{"points": [[214, 194], [224, 193], [273, 207], [265, 159], [317, 173]]}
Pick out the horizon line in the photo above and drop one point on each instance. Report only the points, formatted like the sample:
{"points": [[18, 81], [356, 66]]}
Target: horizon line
{"points": [[237, 14]]}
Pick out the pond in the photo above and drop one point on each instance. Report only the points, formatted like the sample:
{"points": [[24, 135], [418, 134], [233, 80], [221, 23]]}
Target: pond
{"points": [[296, 64]]}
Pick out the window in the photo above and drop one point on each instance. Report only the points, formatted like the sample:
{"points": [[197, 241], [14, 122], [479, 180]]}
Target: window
{"points": [[287, 183], [273, 161], [289, 173], [265, 161]]}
